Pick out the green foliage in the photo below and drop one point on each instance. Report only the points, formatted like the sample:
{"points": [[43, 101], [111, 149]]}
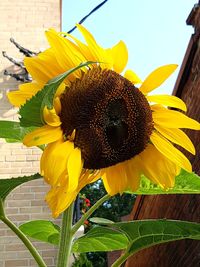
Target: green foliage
{"points": [[135, 236], [43, 98], [91, 260], [98, 259], [12, 131], [114, 208], [185, 183], [7, 185], [146, 233], [101, 239], [82, 261], [42, 230]]}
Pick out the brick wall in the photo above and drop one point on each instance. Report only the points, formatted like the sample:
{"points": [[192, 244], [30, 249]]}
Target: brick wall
{"points": [[25, 21]]}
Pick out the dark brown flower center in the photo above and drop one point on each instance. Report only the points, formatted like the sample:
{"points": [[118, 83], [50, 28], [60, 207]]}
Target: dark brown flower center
{"points": [[112, 118]]}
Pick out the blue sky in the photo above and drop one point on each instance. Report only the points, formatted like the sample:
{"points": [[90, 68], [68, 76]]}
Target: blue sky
{"points": [[155, 31]]}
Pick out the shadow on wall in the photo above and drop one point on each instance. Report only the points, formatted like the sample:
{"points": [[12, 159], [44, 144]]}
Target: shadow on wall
{"points": [[12, 76], [7, 84]]}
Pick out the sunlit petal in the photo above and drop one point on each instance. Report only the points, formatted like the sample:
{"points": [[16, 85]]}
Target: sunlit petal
{"points": [[58, 197], [66, 53], [40, 67], [177, 136], [120, 56], [54, 160], [174, 119], [157, 77], [74, 168], [170, 152], [158, 168], [132, 76], [50, 116], [26, 91], [133, 171], [115, 179], [44, 135], [168, 100]]}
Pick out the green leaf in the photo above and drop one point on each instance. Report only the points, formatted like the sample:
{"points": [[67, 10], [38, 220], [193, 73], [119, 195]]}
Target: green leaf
{"points": [[100, 239], [147, 233], [7, 185], [185, 183], [101, 221], [136, 235], [43, 98], [42, 230], [12, 131]]}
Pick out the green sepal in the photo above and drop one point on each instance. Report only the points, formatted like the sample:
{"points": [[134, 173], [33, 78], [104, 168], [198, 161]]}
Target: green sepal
{"points": [[32, 111]]}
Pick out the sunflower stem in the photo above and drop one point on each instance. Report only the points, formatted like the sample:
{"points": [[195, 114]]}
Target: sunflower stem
{"points": [[66, 237], [120, 260], [88, 213], [22, 236]]}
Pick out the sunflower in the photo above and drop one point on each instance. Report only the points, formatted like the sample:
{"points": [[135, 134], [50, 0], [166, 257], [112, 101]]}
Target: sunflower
{"points": [[101, 124]]}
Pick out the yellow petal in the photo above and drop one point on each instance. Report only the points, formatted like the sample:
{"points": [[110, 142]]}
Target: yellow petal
{"points": [[65, 199], [58, 197], [50, 116], [174, 119], [43, 67], [74, 168], [158, 168], [104, 56], [54, 160], [87, 177], [57, 105], [84, 49], [25, 92], [44, 135], [120, 56], [65, 196], [132, 76], [44, 159], [61, 88], [133, 172], [167, 100], [169, 151], [177, 136], [115, 179], [156, 107], [51, 199], [66, 53], [157, 77], [92, 44]]}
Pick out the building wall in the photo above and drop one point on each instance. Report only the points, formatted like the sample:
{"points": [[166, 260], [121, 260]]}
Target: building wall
{"points": [[183, 253], [25, 21]]}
